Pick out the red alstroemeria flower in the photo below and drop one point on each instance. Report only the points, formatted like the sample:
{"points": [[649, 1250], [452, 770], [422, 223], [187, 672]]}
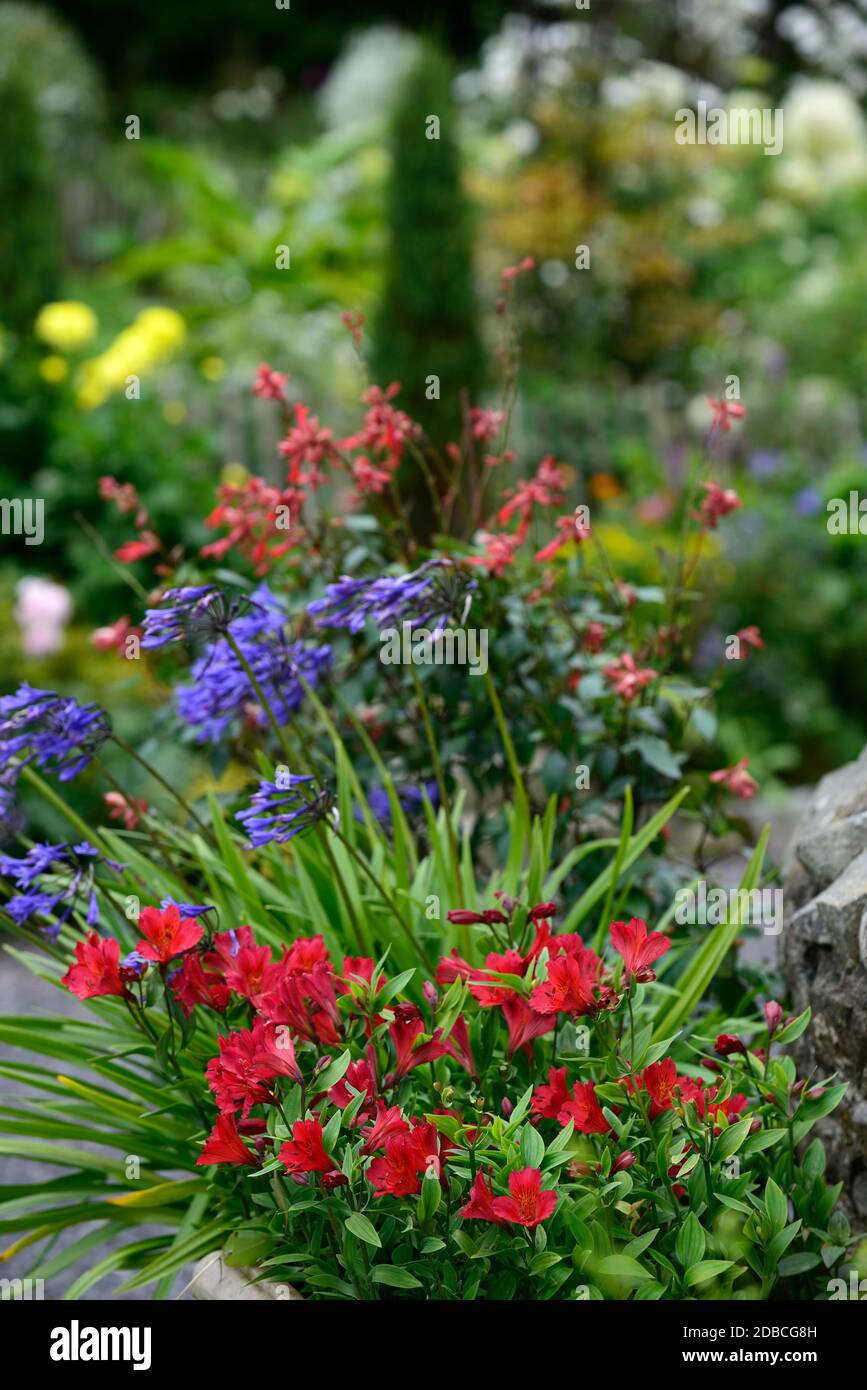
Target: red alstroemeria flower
{"points": [[549, 1100], [661, 1083], [527, 1203], [480, 1206], [584, 1110], [305, 1152], [193, 985], [253, 972], [407, 1028], [397, 1172], [225, 1145], [96, 970], [249, 1060], [388, 1122], [306, 1001], [731, 1107], [305, 954], [167, 934], [525, 1024], [571, 985], [631, 941], [729, 1043], [360, 1077]]}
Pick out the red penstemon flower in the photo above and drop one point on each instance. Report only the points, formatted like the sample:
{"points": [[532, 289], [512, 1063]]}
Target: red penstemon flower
{"points": [[738, 781], [627, 677]]}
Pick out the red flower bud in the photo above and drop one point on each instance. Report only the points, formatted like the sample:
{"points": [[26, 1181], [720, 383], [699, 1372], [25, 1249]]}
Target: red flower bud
{"points": [[727, 1043], [626, 1160], [506, 1107], [541, 911], [773, 1016]]}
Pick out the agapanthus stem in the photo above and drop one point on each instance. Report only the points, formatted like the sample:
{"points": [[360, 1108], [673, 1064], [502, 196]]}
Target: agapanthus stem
{"points": [[441, 785], [158, 777], [279, 731], [385, 895], [508, 746]]}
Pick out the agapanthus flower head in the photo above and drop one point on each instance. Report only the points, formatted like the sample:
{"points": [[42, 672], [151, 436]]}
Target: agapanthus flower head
{"points": [[55, 881], [220, 690], [430, 597], [280, 812], [54, 732], [185, 615]]}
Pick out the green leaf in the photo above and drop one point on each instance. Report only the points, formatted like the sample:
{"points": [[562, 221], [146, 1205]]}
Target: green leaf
{"points": [[395, 1277], [707, 1269], [363, 1227]]}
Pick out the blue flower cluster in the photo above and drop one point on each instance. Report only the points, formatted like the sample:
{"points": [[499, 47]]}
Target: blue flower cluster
{"points": [[184, 615], [279, 811], [427, 597], [52, 731], [221, 691], [54, 880]]}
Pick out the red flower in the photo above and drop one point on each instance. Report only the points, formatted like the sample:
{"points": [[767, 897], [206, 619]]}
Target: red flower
{"points": [[481, 1201], [627, 676], [253, 972], [125, 808], [269, 385], [661, 1083], [306, 1001], [359, 1076], [524, 1024], [527, 1204], [167, 934], [407, 1028], [147, 544], [96, 971], [737, 779], [570, 986], [724, 412], [584, 1110], [248, 1061], [305, 1152], [225, 1145], [192, 985], [549, 1100], [388, 1121], [773, 1015], [749, 637], [728, 1043], [594, 637], [716, 504], [397, 1172], [631, 941]]}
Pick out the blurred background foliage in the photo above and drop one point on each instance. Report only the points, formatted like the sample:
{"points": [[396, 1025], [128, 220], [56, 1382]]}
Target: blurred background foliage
{"points": [[259, 131]]}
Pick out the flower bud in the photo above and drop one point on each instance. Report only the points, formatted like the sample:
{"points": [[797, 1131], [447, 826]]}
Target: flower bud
{"points": [[430, 993], [773, 1016], [625, 1160], [506, 1107]]}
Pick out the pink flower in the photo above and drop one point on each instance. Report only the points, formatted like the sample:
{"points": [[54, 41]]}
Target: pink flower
{"points": [[486, 424], [718, 503], [499, 552], [737, 779], [627, 677], [270, 385], [724, 412], [42, 611]]}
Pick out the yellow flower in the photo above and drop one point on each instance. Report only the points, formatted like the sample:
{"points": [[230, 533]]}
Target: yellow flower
{"points": [[66, 325], [175, 412], [54, 369], [213, 368], [153, 335]]}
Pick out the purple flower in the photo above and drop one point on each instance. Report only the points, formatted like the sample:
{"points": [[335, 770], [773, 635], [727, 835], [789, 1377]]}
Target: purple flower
{"points": [[426, 597], [187, 909], [764, 463], [53, 731], [221, 691], [410, 798], [808, 502], [184, 615], [280, 812], [55, 881]]}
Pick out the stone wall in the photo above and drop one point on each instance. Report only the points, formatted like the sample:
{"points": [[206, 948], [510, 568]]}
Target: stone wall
{"points": [[823, 952]]}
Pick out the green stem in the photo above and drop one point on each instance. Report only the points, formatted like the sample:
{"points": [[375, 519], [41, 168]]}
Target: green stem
{"points": [[158, 777], [441, 784]]}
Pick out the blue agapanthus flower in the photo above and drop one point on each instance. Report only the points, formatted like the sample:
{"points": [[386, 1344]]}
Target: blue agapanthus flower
{"points": [[410, 798], [221, 691], [53, 731], [429, 597], [280, 811], [54, 881], [184, 615]]}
